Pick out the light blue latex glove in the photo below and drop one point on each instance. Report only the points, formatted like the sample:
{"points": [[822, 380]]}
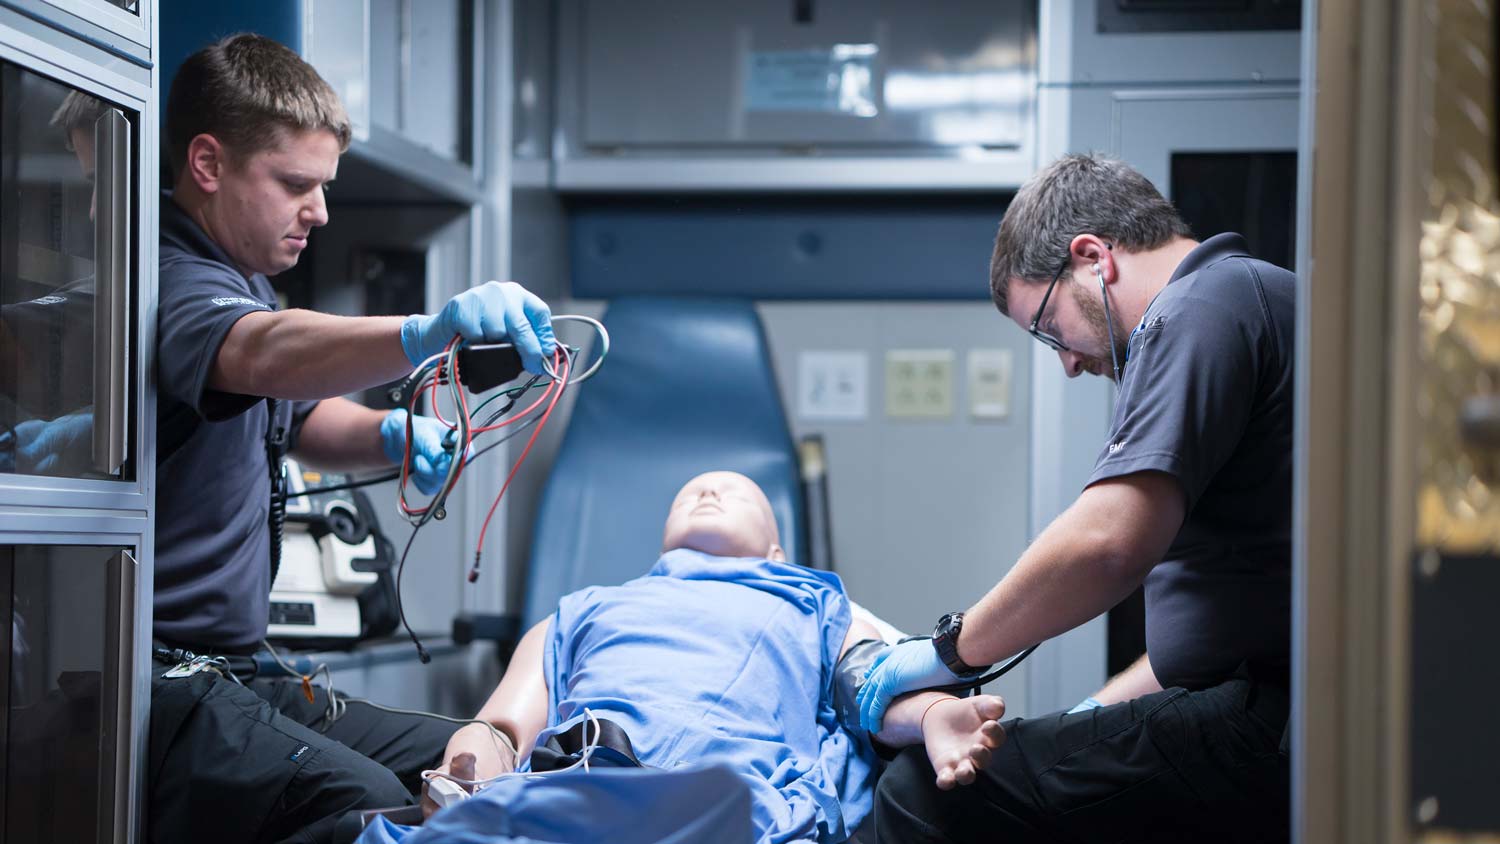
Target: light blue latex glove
{"points": [[490, 313], [1087, 704], [42, 445], [904, 668], [429, 459]]}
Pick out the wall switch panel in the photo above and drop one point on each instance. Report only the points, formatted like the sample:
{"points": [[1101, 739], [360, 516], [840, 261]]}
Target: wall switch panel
{"points": [[919, 383]]}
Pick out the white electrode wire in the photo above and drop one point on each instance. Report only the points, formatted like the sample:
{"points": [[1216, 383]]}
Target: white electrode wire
{"points": [[601, 351], [338, 705], [583, 762]]}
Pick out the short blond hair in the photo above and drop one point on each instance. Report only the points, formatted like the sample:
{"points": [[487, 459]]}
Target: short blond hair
{"points": [[78, 113], [244, 90]]}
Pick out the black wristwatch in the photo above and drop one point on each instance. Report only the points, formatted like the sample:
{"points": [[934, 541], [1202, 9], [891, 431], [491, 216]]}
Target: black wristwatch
{"points": [[945, 640]]}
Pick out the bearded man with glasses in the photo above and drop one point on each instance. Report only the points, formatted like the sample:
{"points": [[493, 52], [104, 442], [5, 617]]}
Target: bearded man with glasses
{"points": [[1190, 495]]}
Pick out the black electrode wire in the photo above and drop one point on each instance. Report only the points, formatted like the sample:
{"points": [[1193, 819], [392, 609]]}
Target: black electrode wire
{"points": [[972, 686], [319, 490], [422, 654], [427, 516]]}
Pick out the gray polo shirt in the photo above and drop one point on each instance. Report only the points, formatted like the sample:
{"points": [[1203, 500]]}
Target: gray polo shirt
{"points": [[1206, 397], [213, 575]]}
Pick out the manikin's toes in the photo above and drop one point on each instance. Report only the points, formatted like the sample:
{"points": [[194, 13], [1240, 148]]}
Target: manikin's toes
{"points": [[960, 734]]}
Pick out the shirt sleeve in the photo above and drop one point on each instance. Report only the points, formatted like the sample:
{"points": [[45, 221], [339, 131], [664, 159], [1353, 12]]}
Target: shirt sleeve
{"points": [[199, 302], [300, 411], [1186, 398]]}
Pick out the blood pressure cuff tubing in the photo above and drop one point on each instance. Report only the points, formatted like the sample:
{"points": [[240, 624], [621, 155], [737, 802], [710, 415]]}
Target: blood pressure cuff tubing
{"points": [[849, 676]]}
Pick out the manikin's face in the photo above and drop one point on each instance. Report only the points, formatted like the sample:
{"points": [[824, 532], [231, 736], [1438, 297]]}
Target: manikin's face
{"points": [[1075, 315], [268, 202], [724, 514]]}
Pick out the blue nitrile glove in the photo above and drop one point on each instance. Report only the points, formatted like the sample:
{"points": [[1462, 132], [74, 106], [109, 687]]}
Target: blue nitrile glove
{"points": [[490, 313], [430, 460], [1087, 704], [42, 445], [904, 668]]}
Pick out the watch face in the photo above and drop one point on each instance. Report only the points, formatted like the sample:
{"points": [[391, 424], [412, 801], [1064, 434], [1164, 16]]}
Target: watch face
{"points": [[949, 624]]}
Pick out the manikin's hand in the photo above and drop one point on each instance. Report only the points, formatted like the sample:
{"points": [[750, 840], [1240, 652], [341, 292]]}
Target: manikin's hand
{"points": [[490, 313], [474, 753]]}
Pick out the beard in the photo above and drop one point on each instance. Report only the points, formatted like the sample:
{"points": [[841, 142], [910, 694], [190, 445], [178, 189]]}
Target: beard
{"points": [[1093, 313]]}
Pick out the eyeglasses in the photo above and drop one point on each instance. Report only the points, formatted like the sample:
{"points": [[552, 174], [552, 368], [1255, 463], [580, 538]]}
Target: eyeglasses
{"points": [[1050, 341]]}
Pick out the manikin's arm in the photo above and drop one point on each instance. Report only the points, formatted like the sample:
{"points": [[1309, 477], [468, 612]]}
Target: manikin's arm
{"points": [[903, 721], [960, 734], [518, 708]]}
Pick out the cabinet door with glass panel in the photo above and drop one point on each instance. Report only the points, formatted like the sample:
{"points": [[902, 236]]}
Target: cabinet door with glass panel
{"points": [[67, 617], [66, 279]]}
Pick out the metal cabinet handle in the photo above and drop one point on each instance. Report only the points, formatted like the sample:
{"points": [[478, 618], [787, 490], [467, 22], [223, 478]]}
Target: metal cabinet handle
{"points": [[1479, 421], [119, 692], [111, 290]]}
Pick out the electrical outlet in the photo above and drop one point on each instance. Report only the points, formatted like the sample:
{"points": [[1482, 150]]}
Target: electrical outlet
{"points": [[919, 383], [989, 383]]}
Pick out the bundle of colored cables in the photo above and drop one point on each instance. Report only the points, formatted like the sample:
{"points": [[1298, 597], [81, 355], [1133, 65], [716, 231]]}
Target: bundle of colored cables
{"points": [[439, 374]]}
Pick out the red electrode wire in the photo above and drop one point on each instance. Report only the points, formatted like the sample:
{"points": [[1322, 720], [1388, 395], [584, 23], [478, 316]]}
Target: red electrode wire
{"points": [[562, 365]]}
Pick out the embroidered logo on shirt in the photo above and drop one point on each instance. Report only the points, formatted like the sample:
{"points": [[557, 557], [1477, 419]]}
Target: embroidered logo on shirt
{"points": [[298, 754], [1114, 448], [49, 300], [224, 301]]}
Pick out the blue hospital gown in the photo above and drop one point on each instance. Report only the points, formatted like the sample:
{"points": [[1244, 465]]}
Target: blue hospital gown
{"points": [[714, 666], [728, 660]]}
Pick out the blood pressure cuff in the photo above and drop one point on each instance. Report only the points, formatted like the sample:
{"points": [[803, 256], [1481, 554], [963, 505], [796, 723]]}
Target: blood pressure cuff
{"points": [[612, 748], [849, 676]]}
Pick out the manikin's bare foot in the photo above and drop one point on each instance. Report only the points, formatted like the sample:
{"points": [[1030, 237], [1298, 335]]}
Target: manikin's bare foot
{"points": [[960, 734]]}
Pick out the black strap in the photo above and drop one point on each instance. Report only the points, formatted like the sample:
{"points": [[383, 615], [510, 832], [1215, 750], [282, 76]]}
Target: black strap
{"points": [[612, 749], [276, 449]]}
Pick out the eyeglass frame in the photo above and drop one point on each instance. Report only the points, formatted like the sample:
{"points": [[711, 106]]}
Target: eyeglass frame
{"points": [[1047, 339]]}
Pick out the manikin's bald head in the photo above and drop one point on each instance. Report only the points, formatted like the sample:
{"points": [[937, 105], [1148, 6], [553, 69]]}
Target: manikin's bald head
{"points": [[724, 514]]}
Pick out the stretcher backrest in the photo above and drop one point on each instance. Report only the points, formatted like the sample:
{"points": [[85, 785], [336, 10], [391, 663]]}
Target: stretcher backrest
{"points": [[688, 387]]}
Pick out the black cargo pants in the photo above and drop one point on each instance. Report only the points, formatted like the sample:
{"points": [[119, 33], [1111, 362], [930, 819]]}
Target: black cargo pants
{"points": [[1174, 766], [239, 764]]}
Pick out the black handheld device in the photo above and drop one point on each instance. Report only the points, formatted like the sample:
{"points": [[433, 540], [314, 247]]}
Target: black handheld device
{"points": [[488, 365]]}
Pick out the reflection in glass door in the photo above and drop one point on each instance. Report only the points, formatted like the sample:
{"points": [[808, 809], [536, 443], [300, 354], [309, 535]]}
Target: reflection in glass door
{"points": [[65, 188], [65, 680]]}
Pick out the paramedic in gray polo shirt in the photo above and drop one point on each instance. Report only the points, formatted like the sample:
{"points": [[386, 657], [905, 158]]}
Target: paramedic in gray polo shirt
{"points": [[1191, 494], [255, 136]]}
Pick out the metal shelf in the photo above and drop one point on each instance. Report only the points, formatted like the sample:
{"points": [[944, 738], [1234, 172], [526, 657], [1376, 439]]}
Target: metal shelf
{"points": [[991, 172], [387, 167]]}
